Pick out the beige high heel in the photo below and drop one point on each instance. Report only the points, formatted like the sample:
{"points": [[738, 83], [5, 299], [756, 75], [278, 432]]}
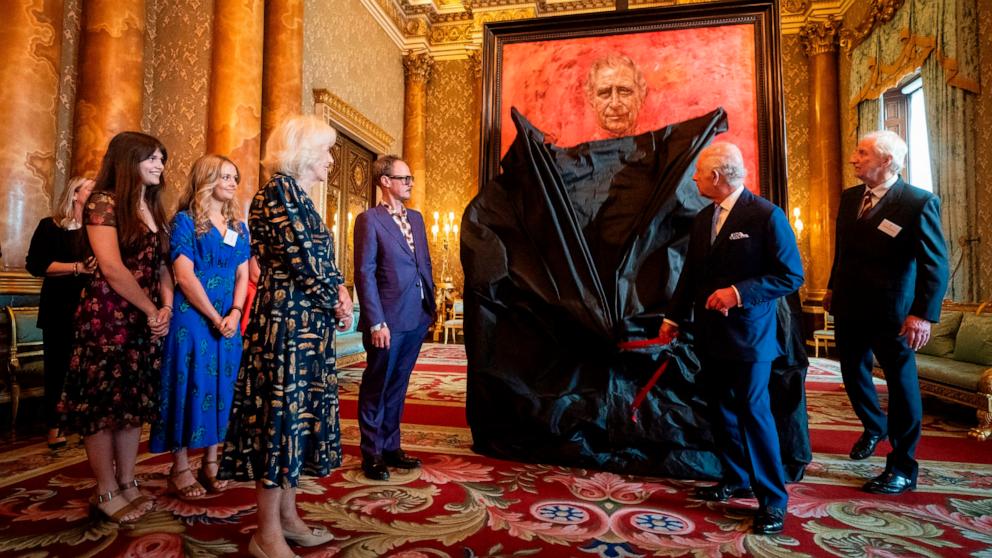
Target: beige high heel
{"points": [[315, 536]]}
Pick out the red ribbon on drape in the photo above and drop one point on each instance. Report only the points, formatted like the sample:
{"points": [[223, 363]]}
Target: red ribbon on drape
{"points": [[643, 392]]}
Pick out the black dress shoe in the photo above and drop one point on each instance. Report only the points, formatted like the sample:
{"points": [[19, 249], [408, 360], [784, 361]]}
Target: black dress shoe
{"points": [[769, 521], [375, 468], [400, 459], [889, 482], [865, 446], [723, 492]]}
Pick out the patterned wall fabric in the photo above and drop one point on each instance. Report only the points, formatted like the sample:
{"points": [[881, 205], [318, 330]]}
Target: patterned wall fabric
{"points": [[177, 84], [450, 112], [795, 79], [67, 94], [369, 77]]}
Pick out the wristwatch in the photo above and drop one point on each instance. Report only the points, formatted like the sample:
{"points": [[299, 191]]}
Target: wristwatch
{"points": [[377, 327]]}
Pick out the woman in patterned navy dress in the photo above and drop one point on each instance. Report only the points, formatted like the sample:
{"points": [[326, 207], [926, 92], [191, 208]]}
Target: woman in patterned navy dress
{"points": [[112, 385], [203, 350], [284, 420]]}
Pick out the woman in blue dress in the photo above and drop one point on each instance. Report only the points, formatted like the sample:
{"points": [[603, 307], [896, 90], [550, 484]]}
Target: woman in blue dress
{"points": [[209, 252]]}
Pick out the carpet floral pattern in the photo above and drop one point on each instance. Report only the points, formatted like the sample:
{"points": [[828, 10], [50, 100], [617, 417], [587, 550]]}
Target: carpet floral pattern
{"points": [[460, 504]]}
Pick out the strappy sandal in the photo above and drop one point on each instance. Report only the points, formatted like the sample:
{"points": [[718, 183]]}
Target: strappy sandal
{"points": [[186, 492], [141, 501], [116, 517], [210, 482]]}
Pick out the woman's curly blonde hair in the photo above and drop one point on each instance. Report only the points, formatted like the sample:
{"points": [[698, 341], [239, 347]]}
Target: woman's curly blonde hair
{"points": [[203, 177]]}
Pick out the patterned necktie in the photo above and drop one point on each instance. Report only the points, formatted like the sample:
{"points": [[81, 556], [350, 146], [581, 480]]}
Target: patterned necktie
{"points": [[865, 204]]}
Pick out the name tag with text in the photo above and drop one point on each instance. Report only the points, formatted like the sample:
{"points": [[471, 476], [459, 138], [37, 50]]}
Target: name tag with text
{"points": [[889, 228], [230, 237]]}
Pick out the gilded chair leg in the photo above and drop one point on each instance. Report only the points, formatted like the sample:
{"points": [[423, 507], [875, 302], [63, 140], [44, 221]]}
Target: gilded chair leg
{"points": [[983, 431]]}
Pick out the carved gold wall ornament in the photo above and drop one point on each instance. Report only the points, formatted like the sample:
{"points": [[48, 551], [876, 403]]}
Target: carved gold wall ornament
{"points": [[349, 119], [417, 66], [818, 37], [881, 11], [796, 6], [475, 59]]}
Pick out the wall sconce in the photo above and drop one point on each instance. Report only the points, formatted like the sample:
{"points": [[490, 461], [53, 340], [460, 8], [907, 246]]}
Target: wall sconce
{"points": [[797, 223], [444, 233]]}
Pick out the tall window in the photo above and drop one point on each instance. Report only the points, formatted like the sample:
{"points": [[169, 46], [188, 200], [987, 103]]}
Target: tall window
{"points": [[903, 112]]}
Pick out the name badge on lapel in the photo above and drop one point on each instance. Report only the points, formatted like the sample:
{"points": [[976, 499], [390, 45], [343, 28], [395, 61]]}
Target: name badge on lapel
{"points": [[889, 228], [738, 235], [230, 237]]}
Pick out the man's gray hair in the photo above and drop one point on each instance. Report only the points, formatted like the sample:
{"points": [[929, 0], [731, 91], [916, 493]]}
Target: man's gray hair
{"points": [[725, 158], [888, 143], [615, 61]]}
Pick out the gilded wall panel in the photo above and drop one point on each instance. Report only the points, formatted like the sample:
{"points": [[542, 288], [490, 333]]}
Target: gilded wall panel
{"points": [[450, 186], [795, 80], [346, 52], [177, 84], [983, 159]]}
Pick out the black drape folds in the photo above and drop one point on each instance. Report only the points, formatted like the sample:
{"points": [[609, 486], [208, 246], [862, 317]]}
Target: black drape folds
{"points": [[568, 252]]}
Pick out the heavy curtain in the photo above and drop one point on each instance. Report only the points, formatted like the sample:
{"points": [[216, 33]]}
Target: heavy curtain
{"points": [[940, 37]]}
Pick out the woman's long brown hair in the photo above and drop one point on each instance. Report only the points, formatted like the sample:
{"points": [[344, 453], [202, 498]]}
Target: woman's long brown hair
{"points": [[121, 175]]}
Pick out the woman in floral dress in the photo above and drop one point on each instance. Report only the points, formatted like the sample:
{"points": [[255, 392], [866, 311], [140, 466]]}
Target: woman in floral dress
{"points": [[203, 350], [111, 387], [284, 420]]}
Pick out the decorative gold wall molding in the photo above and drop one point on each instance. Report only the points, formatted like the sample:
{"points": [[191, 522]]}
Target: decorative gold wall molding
{"points": [[351, 120], [19, 282], [417, 66], [881, 11], [818, 37], [449, 30]]}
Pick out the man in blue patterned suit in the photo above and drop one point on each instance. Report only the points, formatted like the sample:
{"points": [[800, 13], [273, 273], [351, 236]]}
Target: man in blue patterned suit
{"points": [[396, 292], [888, 278], [742, 257]]}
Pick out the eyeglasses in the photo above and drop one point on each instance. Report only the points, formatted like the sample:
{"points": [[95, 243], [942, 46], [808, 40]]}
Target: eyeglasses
{"points": [[406, 180]]}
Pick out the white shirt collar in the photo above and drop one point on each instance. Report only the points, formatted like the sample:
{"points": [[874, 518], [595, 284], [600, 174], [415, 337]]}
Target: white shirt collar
{"points": [[728, 202], [878, 192]]}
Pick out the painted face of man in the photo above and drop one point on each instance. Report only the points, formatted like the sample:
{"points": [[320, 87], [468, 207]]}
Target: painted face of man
{"points": [[615, 97]]}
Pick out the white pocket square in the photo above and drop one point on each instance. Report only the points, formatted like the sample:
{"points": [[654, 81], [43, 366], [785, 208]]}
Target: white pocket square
{"points": [[738, 235]]}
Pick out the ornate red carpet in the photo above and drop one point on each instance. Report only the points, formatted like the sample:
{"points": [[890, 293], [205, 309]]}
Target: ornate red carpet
{"points": [[464, 505]]}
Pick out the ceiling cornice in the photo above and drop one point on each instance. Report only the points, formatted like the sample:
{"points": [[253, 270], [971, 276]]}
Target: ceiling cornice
{"points": [[451, 29]]}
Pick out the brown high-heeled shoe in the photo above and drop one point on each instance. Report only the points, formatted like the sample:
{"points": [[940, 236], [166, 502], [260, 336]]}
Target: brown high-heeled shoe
{"points": [[210, 482], [116, 517], [187, 492]]}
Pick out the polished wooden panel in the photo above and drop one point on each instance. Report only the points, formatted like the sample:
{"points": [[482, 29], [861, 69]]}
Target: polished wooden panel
{"points": [[109, 97], [417, 68], [234, 110], [30, 41], [282, 65]]}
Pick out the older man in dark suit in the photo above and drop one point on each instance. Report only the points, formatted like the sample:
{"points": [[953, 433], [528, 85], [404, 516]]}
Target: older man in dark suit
{"points": [[888, 278], [395, 286], [742, 257]]}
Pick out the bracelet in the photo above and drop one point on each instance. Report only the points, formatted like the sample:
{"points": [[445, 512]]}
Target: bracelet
{"points": [[75, 269], [238, 308], [167, 306]]}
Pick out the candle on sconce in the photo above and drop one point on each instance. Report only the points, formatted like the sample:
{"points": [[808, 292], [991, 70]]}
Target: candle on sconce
{"points": [[797, 222], [434, 228], [436, 216], [455, 230], [451, 216]]}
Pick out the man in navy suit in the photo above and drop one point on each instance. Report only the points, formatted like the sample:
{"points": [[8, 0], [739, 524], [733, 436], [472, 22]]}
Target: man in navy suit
{"points": [[742, 257], [396, 292], [888, 278]]}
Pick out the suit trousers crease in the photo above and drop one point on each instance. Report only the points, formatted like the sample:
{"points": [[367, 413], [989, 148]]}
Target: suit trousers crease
{"points": [[382, 393], [749, 442], [857, 340]]}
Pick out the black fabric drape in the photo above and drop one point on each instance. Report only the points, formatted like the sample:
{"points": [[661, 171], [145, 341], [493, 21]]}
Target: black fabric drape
{"points": [[566, 253]]}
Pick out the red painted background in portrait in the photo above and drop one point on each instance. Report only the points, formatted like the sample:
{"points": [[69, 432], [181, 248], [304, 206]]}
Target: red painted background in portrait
{"points": [[689, 72]]}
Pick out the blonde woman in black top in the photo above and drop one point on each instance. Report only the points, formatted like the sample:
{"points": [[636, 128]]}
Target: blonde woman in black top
{"points": [[58, 253]]}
